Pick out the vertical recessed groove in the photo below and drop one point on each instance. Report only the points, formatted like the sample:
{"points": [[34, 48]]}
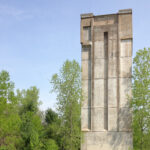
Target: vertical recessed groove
{"points": [[118, 74], [92, 73], [106, 81], [89, 88]]}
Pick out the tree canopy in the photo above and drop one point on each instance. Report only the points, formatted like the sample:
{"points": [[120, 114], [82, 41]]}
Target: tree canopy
{"points": [[67, 85], [141, 100]]}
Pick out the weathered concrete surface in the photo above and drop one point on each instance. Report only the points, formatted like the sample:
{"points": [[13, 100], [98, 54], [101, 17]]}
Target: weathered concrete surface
{"points": [[107, 141], [106, 81]]}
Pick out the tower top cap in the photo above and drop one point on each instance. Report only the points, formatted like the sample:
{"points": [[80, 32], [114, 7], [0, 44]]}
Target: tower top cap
{"points": [[125, 11], [87, 15]]}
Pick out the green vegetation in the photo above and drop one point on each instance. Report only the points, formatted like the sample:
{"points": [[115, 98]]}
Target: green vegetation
{"points": [[10, 122], [140, 101], [24, 127], [67, 85]]}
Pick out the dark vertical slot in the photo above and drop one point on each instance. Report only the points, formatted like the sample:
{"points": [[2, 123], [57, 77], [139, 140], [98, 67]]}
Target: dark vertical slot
{"points": [[106, 81], [89, 34], [89, 88]]}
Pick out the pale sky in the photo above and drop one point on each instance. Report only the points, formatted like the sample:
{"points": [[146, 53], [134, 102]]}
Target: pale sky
{"points": [[37, 36]]}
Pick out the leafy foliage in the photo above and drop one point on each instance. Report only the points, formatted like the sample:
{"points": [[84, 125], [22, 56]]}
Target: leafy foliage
{"points": [[51, 145], [31, 127], [21, 124], [51, 116], [67, 85], [52, 126], [141, 100], [10, 122]]}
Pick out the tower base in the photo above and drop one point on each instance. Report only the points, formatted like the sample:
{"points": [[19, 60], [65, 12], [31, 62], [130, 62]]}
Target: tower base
{"points": [[107, 141]]}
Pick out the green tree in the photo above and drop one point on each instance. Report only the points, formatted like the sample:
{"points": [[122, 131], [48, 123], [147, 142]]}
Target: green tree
{"points": [[50, 144], [141, 100], [31, 127], [50, 116], [52, 127], [67, 85], [10, 122]]}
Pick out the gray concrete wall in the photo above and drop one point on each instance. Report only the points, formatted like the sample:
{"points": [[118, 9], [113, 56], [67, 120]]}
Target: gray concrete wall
{"points": [[106, 81]]}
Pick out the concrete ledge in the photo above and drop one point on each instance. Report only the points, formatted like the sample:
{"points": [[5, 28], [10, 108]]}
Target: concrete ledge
{"points": [[125, 11], [89, 15]]}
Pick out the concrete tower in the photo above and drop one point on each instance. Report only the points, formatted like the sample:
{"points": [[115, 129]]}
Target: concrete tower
{"points": [[106, 81]]}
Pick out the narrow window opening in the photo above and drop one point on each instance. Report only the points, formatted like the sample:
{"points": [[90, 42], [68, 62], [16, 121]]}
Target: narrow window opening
{"points": [[106, 81], [89, 89]]}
